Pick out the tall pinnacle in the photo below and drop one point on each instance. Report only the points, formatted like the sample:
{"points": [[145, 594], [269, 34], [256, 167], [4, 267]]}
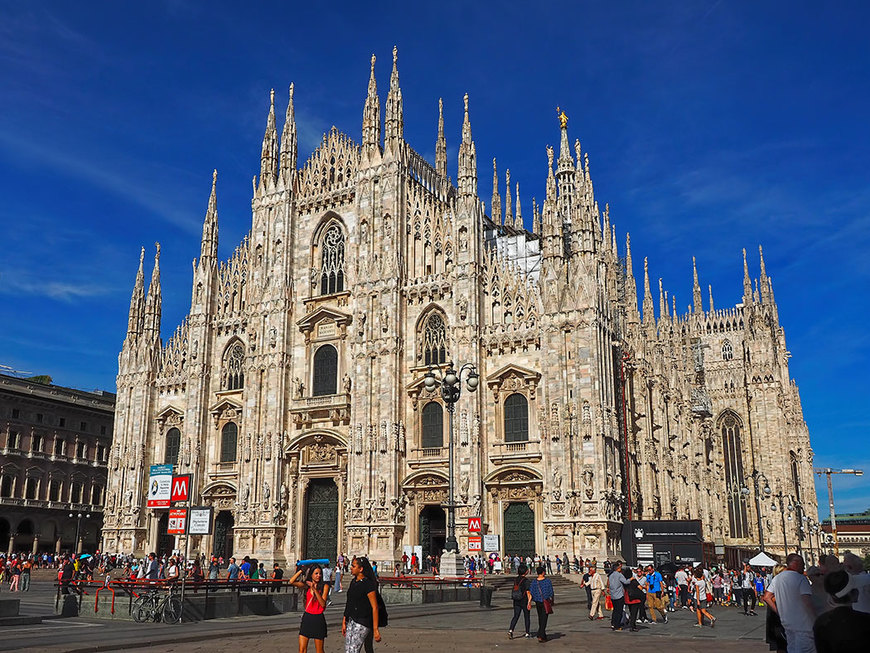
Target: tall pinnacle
{"points": [[441, 144], [154, 301], [208, 248], [763, 285], [696, 289], [649, 319], [289, 147], [371, 126], [747, 282], [630, 283], [663, 302], [712, 307], [269, 154], [508, 208], [467, 174], [393, 118], [518, 220], [496, 198], [137, 301]]}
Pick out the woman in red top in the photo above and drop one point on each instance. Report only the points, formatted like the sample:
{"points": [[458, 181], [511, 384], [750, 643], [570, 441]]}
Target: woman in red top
{"points": [[313, 624]]}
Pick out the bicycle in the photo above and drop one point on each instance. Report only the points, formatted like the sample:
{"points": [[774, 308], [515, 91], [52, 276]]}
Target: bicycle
{"points": [[151, 606]]}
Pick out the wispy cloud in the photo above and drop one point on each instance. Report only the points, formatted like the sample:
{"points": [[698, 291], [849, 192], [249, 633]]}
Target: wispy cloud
{"points": [[65, 291]]}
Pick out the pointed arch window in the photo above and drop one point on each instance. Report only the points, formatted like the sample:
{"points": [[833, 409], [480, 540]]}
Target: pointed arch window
{"points": [[432, 423], [332, 261], [434, 340], [234, 368], [229, 442], [516, 418], [738, 518], [6, 486], [325, 376], [727, 351], [173, 446]]}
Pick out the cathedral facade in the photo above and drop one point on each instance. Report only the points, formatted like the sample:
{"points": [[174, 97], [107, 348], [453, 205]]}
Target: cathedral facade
{"points": [[294, 390]]}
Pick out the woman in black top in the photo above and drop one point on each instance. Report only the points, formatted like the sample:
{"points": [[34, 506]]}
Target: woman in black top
{"points": [[521, 598], [361, 610]]}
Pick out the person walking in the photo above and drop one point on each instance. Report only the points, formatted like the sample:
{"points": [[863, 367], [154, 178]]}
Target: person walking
{"points": [[617, 583], [747, 590], [597, 585], [541, 591], [361, 610], [337, 574], [790, 596], [654, 594], [682, 580], [699, 596], [316, 595], [634, 598], [522, 600]]}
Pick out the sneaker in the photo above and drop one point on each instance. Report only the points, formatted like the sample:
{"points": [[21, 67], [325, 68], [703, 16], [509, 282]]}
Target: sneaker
{"points": [[666, 619], [615, 629], [713, 622], [528, 636], [697, 625], [510, 634], [752, 612]]}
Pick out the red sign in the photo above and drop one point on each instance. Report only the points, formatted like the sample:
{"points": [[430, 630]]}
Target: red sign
{"points": [[475, 543], [474, 525], [177, 521], [180, 488]]}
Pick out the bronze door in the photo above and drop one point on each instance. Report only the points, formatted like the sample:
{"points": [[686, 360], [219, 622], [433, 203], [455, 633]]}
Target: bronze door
{"points": [[519, 530], [321, 520]]}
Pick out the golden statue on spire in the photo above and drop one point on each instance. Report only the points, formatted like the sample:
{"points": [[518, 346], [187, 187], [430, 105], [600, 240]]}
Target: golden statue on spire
{"points": [[563, 119]]}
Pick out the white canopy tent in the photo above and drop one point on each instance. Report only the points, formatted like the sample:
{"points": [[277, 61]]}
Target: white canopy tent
{"points": [[762, 560]]}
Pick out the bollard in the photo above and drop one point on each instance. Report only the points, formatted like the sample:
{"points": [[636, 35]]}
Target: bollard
{"points": [[485, 596]]}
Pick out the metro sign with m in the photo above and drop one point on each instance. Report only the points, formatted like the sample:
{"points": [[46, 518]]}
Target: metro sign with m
{"points": [[180, 488], [474, 524]]}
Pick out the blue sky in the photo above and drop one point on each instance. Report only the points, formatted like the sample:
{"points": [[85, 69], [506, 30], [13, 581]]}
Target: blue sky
{"points": [[710, 126]]}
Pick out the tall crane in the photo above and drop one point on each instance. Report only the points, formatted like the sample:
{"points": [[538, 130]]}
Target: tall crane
{"points": [[827, 471]]}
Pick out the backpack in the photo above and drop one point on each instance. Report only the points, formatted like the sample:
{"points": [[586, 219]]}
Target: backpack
{"points": [[383, 617], [516, 592]]}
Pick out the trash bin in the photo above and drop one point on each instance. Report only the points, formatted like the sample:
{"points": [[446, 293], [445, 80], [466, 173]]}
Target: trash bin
{"points": [[486, 596]]}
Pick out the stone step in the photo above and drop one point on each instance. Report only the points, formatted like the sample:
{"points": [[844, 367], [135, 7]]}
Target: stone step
{"points": [[19, 621]]}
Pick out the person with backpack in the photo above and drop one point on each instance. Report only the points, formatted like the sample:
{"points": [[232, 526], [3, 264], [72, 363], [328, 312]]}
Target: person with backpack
{"points": [[364, 611], [522, 599], [634, 598]]}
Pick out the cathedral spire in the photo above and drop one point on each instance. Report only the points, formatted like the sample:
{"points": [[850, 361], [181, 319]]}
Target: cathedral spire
{"points": [[763, 285], [467, 175], [605, 235], [441, 144], [747, 282], [518, 220], [496, 197], [289, 147], [565, 170], [371, 126], [269, 154], [536, 218], [712, 307], [663, 303], [649, 318], [137, 302], [508, 208], [154, 302], [630, 283], [208, 248], [393, 118], [696, 289]]}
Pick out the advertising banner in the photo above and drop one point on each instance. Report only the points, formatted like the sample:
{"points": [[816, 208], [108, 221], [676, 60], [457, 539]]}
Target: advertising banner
{"points": [[159, 486], [177, 521], [200, 520]]}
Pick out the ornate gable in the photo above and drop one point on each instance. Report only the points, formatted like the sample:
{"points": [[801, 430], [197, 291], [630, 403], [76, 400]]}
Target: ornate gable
{"points": [[511, 378], [330, 171]]}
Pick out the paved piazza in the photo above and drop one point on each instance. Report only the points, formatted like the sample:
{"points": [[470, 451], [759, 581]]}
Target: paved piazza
{"points": [[443, 627]]}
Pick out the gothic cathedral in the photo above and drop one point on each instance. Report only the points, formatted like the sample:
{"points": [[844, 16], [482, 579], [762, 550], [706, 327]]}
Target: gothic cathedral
{"points": [[294, 390]]}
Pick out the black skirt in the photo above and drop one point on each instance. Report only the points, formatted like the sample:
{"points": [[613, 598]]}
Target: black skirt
{"points": [[313, 626]]}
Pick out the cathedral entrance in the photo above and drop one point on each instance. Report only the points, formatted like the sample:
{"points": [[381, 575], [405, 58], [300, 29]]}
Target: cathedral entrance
{"points": [[164, 539], [433, 530], [5, 530], [223, 534], [321, 519], [519, 529]]}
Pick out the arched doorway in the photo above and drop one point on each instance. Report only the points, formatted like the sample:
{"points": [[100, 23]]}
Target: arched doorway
{"points": [[519, 529], [25, 535], [164, 539], [433, 530], [321, 519], [223, 534]]}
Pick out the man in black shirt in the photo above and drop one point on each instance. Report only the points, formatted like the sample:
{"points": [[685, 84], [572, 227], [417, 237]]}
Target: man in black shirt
{"points": [[842, 630]]}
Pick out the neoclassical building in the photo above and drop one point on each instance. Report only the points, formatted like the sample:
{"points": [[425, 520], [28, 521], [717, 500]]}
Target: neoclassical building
{"points": [[293, 390]]}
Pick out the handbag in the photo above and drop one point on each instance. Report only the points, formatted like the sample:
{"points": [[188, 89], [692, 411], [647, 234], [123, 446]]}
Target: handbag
{"points": [[608, 603], [548, 606]]}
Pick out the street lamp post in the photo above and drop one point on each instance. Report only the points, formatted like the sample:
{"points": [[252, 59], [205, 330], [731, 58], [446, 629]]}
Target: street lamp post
{"points": [[757, 476], [78, 517], [451, 389], [780, 497]]}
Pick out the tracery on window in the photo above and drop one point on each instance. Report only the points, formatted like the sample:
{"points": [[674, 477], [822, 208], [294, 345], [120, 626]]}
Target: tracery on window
{"points": [[332, 261], [738, 518], [434, 340], [234, 368], [727, 351]]}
